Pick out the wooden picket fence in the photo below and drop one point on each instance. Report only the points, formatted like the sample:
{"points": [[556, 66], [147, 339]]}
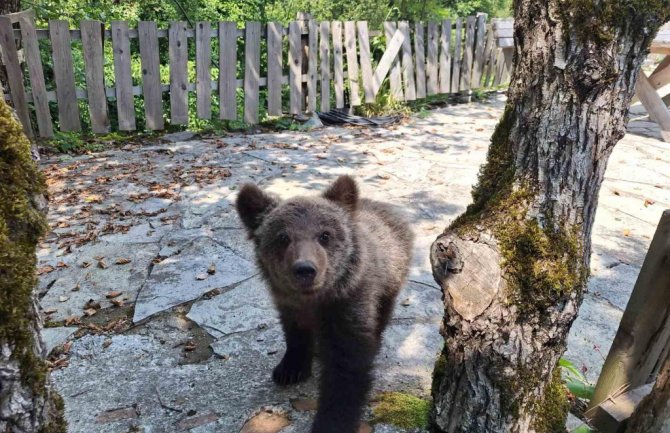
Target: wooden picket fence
{"points": [[322, 59]]}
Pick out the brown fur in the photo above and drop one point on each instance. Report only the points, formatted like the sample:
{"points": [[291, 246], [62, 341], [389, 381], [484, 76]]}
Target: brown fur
{"points": [[334, 264]]}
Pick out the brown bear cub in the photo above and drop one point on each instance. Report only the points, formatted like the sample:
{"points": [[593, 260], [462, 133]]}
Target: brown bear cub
{"points": [[334, 264]]}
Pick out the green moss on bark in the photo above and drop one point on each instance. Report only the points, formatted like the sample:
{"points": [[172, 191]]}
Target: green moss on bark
{"points": [[552, 410], [21, 226], [58, 423]]}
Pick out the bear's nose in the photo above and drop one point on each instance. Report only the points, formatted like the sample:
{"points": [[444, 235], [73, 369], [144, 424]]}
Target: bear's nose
{"points": [[304, 270]]}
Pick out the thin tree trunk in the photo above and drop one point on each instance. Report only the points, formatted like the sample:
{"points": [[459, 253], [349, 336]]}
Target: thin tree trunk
{"points": [[653, 413], [513, 267], [9, 6], [27, 402]]}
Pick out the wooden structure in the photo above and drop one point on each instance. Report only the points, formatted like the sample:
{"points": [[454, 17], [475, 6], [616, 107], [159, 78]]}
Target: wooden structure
{"points": [[647, 85], [328, 65], [642, 342]]}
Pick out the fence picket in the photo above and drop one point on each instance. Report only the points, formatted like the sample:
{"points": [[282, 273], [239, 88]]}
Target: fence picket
{"points": [[420, 58], [489, 59], [91, 39], [227, 70], [178, 53], [123, 80], [466, 66], [456, 68], [68, 108], [479, 59], [295, 67], [151, 78], [395, 79], [366, 60], [324, 55], [14, 75], [252, 71], [36, 74], [432, 86], [407, 63], [203, 66], [445, 57], [312, 64], [338, 65], [275, 32], [352, 63]]}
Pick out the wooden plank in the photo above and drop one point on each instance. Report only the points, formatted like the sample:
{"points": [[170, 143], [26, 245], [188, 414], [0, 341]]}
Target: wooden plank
{"points": [[502, 32], [479, 60], [643, 337], [203, 65], [14, 74], [68, 107], [295, 67], [227, 70], [352, 63], [456, 62], [312, 64], [386, 61], [420, 56], [432, 83], [252, 68], [324, 55], [407, 63], [499, 67], [466, 66], [507, 66], [274, 47], [91, 39], [178, 54], [338, 64], [151, 77], [653, 104], [366, 60], [395, 79], [123, 81], [489, 59], [39, 90], [445, 57]]}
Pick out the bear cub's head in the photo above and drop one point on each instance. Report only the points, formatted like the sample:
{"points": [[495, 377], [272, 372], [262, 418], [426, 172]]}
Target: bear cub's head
{"points": [[303, 244]]}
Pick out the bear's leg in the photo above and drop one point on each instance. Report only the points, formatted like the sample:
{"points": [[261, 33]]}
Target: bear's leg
{"points": [[296, 366], [348, 346]]}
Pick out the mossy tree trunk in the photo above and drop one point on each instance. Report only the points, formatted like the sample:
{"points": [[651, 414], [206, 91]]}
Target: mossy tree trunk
{"points": [[513, 267], [653, 413], [27, 402]]}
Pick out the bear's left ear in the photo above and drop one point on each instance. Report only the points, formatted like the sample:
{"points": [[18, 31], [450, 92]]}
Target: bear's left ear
{"points": [[344, 192], [252, 206]]}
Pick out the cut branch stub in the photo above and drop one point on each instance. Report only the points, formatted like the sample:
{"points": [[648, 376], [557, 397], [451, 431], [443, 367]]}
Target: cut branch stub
{"points": [[469, 271]]}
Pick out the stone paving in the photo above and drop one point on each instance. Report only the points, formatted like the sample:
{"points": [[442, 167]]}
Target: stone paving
{"points": [[156, 313]]}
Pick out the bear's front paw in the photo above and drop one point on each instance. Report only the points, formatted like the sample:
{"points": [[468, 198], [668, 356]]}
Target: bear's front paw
{"points": [[290, 371]]}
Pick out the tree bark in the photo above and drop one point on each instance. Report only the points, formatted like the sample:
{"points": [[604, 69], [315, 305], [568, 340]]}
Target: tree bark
{"points": [[653, 413], [513, 267], [9, 6], [27, 401]]}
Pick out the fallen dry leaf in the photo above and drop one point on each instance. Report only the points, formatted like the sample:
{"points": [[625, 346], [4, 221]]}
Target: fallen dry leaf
{"points": [[192, 422], [50, 311], [113, 294], [72, 320], [189, 347], [304, 404], [61, 265], [45, 270], [106, 343], [63, 298], [122, 261], [405, 303], [201, 277], [67, 346], [91, 303], [85, 264], [212, 269], [102, 264], [90, 312], [648, 202], [626, 232], [265, 422], [117, 302]]}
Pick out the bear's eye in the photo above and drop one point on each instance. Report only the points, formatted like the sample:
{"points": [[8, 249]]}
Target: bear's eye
{"points": [[283, 239], [324, 238]]}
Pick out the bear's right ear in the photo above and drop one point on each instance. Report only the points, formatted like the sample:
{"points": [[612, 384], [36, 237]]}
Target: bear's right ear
{"points": [[252, 206]]}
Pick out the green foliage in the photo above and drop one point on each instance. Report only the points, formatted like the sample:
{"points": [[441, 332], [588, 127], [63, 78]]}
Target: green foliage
{"points": [[553, 408], [402, 410], [575, 380]]}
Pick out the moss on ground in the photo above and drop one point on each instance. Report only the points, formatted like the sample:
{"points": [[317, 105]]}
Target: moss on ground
{"points": [[402, 410]]}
